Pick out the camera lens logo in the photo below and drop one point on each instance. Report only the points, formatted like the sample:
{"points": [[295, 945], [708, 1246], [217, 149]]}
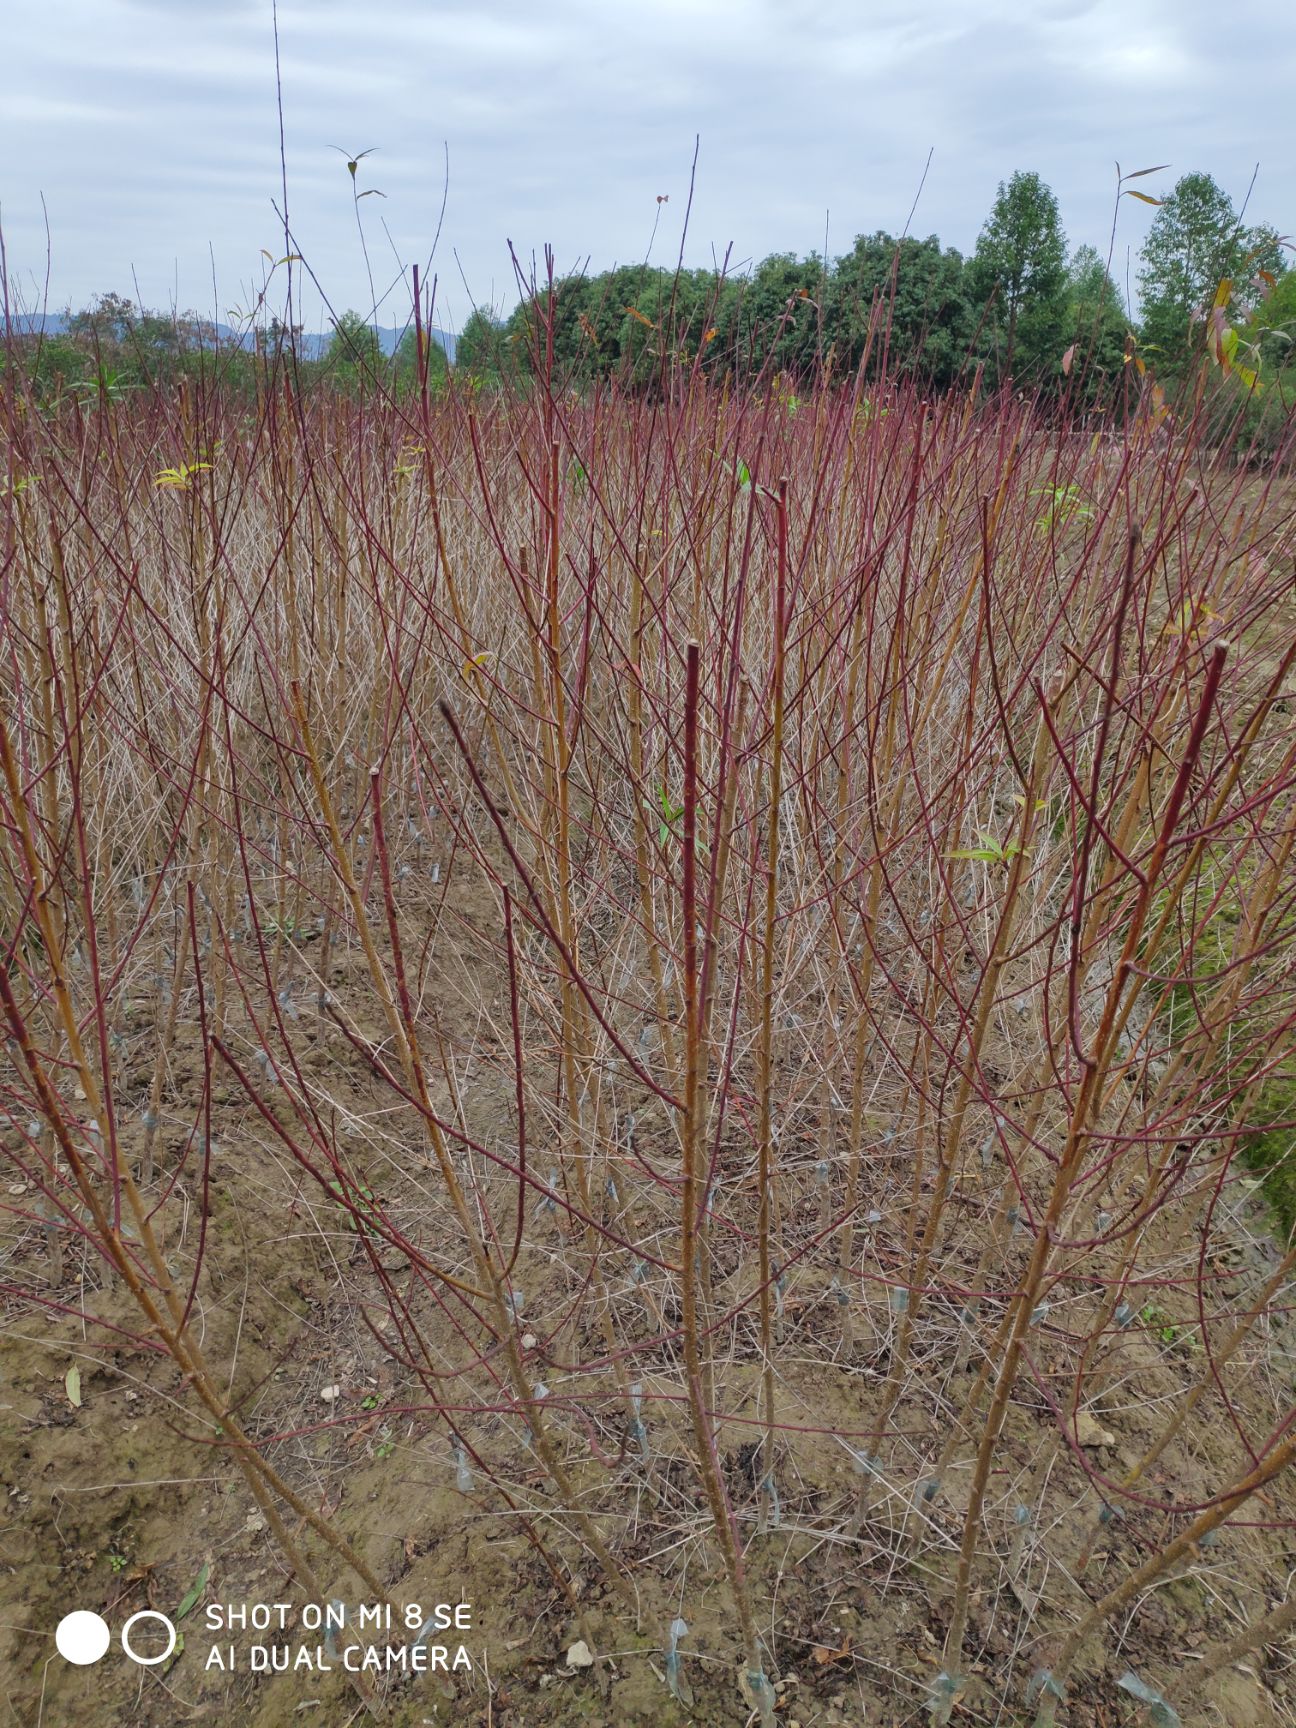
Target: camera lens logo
{"points": [[82, 1638]]}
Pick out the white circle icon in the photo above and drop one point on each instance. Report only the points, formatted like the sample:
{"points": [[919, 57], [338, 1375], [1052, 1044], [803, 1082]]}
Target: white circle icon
{"points": [[82, 1637], [148, 1614]]}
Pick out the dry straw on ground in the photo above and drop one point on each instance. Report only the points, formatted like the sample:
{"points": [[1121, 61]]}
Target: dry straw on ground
{"points": [[660, 1007]]}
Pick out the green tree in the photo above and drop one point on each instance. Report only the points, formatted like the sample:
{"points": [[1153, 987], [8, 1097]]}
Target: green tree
{"points": [[1251, 399], [277, 337], [47, 365], [109, 320], [566, 307], [1273, 323], [607, 314], [354, 356], [484, 350], [773, 318], [923, 316], [1019, 272], [1096, 323], [1195, 245], [405, 363], [664, 324]]}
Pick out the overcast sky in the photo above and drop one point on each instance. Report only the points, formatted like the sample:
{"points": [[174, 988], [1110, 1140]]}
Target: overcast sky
{"points": [[151, 131]]}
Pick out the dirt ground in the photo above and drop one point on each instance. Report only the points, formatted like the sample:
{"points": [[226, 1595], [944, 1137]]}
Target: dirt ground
{"points": [[120, 1499]]}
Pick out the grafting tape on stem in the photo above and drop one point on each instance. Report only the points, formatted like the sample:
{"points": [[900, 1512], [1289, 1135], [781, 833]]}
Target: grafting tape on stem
{"points": [[463, 1475], [1161, 1712], [943, 1694], [337, 1613], [638, 1430], [775, 1514], [762, 1696], [675, 1682], [1042, 1685]]}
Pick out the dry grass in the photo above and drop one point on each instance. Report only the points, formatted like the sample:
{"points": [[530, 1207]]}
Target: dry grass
{"points": [[726, 1015]]}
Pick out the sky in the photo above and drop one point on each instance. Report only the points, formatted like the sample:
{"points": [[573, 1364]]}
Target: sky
{"points": [[140, 139]]}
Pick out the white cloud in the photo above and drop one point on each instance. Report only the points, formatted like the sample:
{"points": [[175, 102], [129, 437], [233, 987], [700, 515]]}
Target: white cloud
{"points": [[152, 129]]}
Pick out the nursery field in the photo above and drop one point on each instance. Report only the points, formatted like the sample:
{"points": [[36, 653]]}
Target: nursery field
{"points": [[670, 1019]]}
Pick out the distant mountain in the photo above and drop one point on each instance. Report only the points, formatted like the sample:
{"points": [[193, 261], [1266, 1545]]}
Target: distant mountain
{"points": [[31, 323], [311, 345]]}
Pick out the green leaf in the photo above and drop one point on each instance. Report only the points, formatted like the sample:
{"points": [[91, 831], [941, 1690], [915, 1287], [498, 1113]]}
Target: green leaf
{"points": [[193, 1594], [670, 815], [744, 476], [181, 475], [72, 1381]]}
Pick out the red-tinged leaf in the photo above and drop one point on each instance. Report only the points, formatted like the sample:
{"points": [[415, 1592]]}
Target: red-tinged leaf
{"points": [[823, 1654], [636, 313], [1142, 197], [1067, 359], [1141, 173], [1140, 363]]}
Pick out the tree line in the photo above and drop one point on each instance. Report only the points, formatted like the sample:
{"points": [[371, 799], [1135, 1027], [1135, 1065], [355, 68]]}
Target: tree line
{"points": [[1023, 309], [112, 348]]}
